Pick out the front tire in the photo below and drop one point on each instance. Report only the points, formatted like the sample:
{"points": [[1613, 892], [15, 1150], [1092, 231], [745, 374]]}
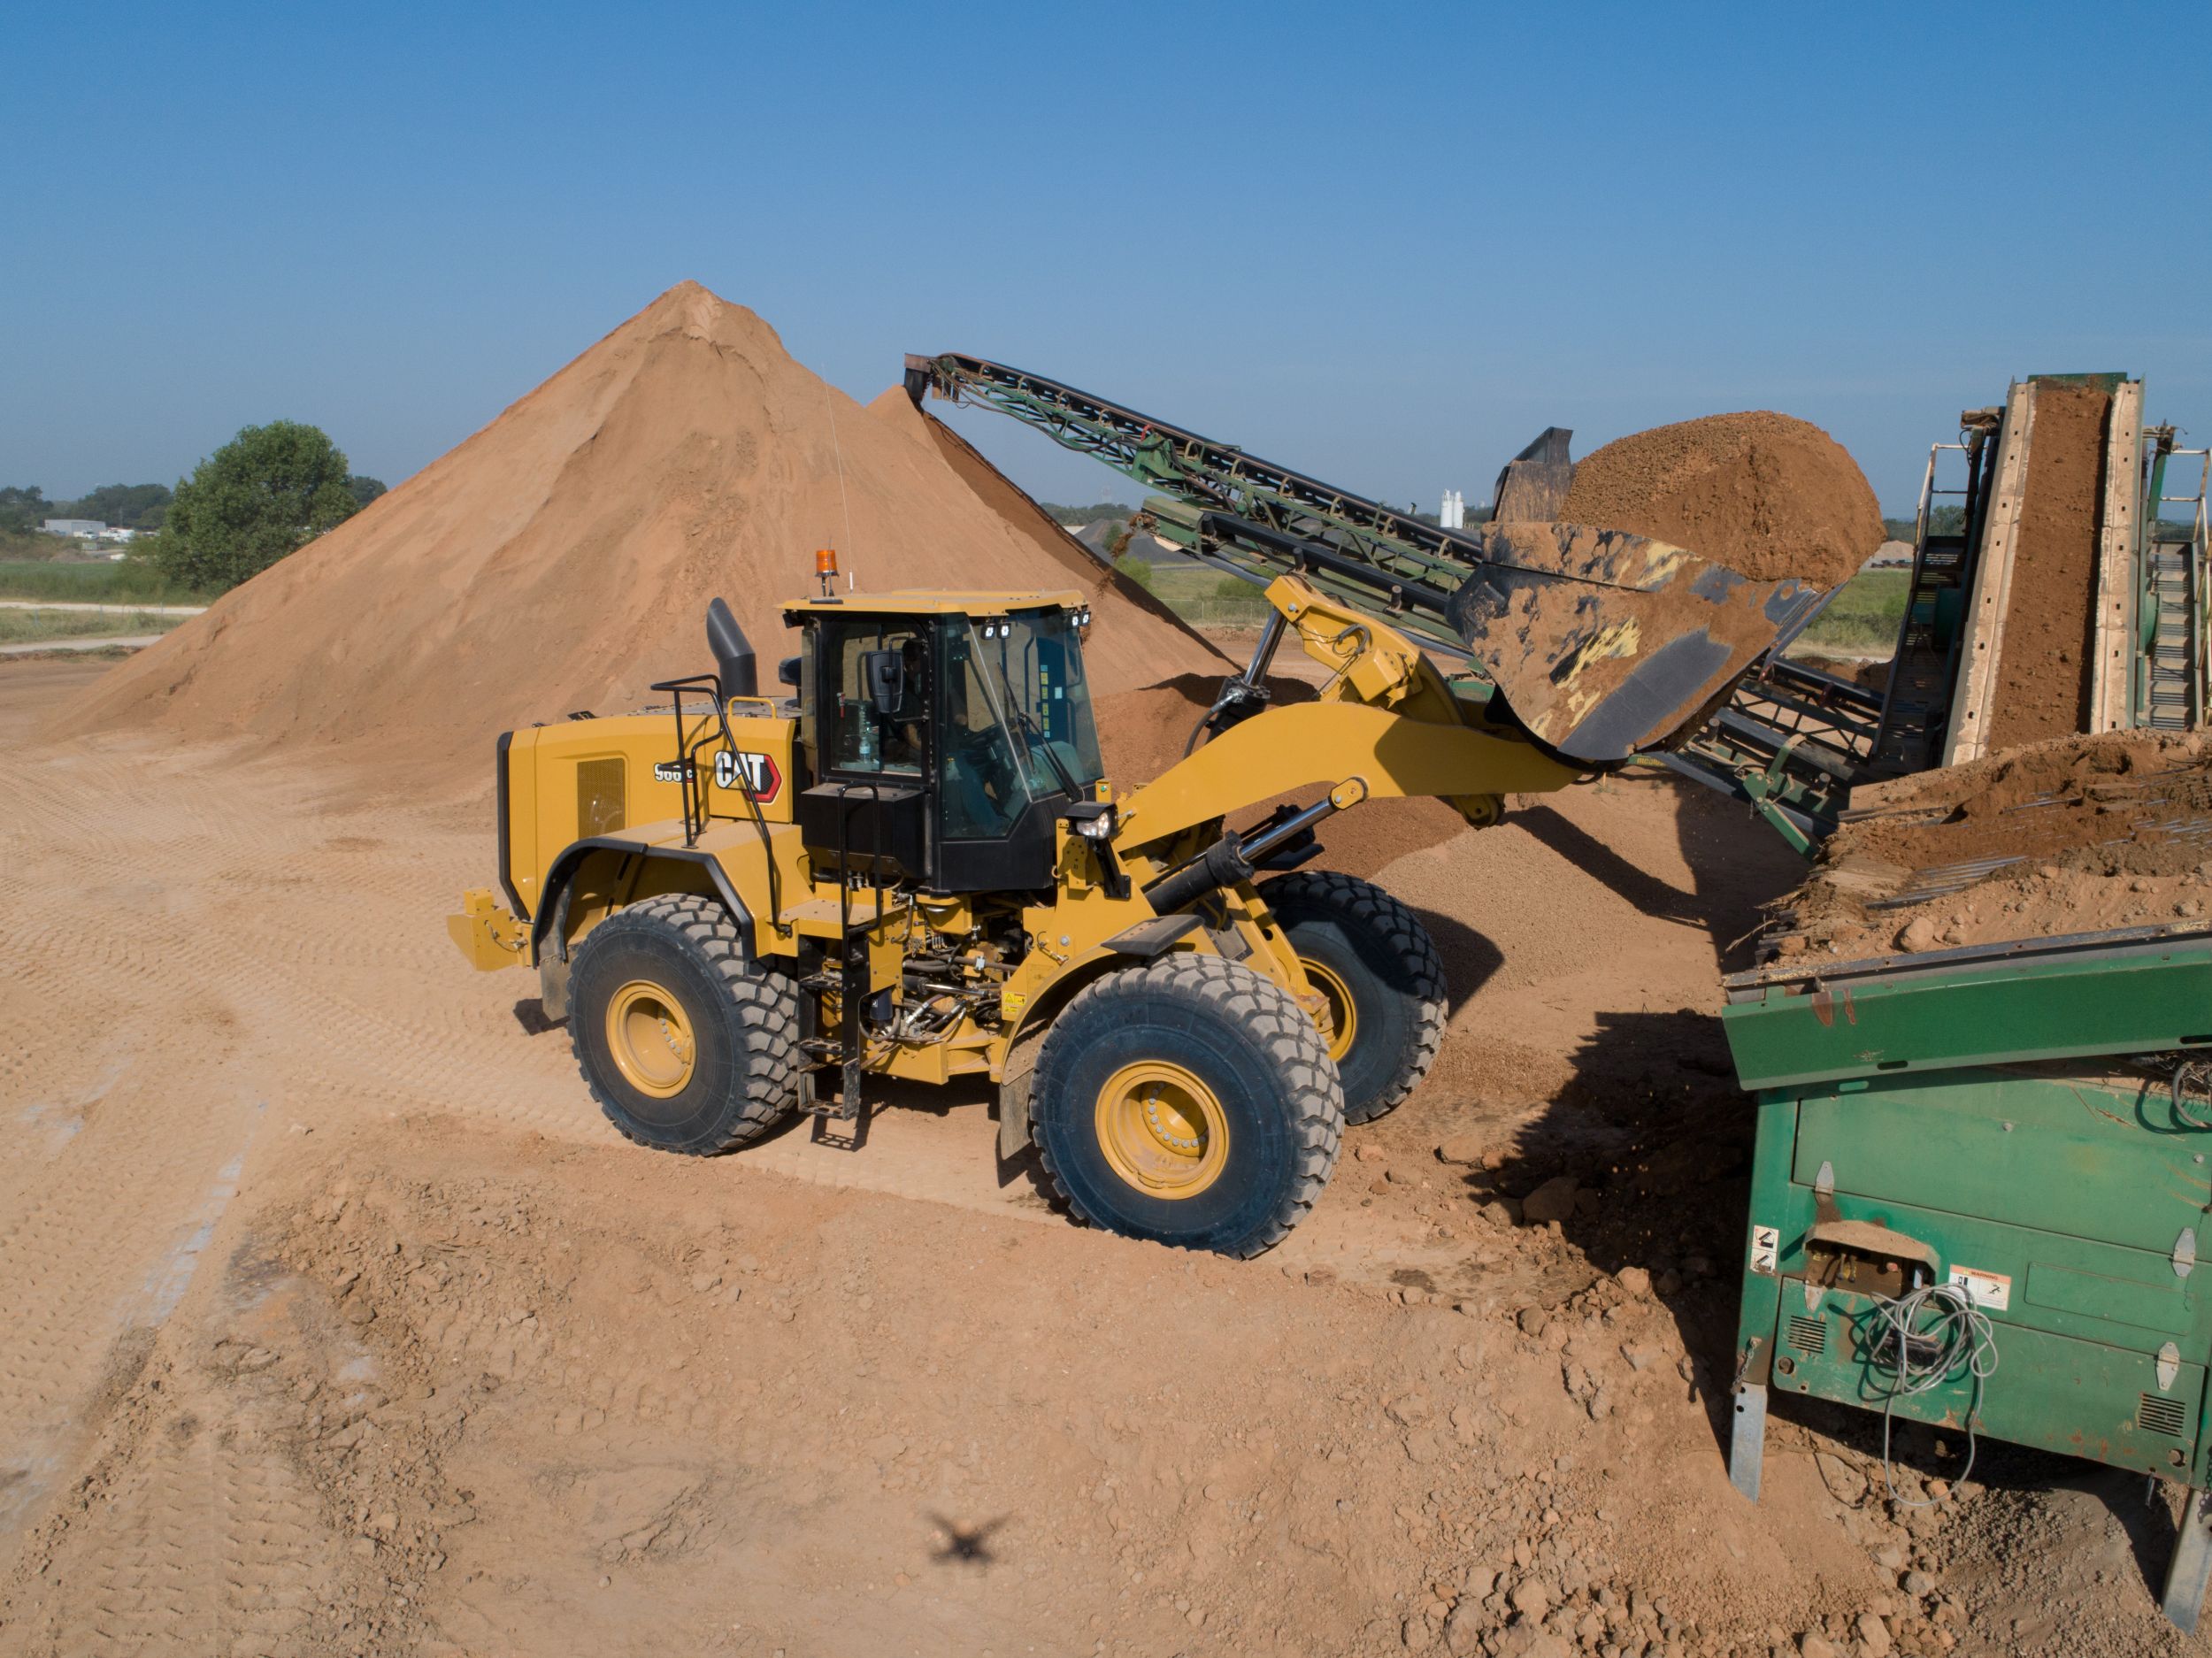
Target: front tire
{"points": [[1189, 1100], [684, 1047], [1375, 962]]}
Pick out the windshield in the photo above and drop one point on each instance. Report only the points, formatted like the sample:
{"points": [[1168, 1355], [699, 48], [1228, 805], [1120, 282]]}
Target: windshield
{"points": [[1035, 664], [1019, 721]]}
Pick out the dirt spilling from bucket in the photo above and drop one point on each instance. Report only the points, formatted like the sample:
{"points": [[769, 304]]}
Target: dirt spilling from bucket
{"points": [[562, 558], [1768, 495], [2043, 667], [2072, 835]]}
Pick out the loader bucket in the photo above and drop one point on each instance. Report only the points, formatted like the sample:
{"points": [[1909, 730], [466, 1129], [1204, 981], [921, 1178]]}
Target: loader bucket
{"points": [[1606, 645]]}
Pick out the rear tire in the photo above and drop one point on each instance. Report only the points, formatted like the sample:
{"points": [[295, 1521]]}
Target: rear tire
{"points": [[1189, 1100], [684, 1047], [1360, 944]]}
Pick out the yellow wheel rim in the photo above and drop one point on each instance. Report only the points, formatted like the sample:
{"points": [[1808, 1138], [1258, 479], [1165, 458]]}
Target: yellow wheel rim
{"points": [[1162, 1131], [650, 1036], [1343, 1017]]}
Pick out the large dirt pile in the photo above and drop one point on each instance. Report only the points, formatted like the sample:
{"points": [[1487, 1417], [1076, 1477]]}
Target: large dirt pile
{"points": [[1764, 494], [563, 557], [2072, 835], [2043, 668]]}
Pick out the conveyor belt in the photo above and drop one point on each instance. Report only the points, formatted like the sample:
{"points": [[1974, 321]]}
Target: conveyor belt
{"points": [[1249, 516]]}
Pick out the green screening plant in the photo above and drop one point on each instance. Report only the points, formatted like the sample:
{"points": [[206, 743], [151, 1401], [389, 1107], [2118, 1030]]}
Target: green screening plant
{"points": [[262, 496]]}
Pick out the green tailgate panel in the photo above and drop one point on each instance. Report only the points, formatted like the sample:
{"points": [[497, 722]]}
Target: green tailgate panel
{"points": [[2073, 1204], [2064, 1156], [2076, 1397]]}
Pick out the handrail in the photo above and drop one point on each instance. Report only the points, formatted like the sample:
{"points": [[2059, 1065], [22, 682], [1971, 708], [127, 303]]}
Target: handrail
{"points": [[694, 796]]}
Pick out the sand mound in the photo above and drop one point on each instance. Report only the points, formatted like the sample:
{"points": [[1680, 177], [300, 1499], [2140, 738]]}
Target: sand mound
{"points": [[1143, 732], [562, 557], [1764, 494], [2075, 834]]}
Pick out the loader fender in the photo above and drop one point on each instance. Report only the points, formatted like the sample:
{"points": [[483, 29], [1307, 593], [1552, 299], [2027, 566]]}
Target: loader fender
{"points": [[1020, 1061], [553, 900]]}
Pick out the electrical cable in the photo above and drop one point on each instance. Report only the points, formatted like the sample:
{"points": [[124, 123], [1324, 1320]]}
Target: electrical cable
{"points": [[1960, 1333], [2190, 1075]]}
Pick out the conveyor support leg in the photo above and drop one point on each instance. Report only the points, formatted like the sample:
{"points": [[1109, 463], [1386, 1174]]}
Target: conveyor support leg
{"points": [[1747, 1444], [2191, 1565]]}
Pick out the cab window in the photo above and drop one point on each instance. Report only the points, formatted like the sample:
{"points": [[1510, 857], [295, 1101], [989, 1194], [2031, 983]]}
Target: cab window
{"points": [[872, 662], [982, 785]]}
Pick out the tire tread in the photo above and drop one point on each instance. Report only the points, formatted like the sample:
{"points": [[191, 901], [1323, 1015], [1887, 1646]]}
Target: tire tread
{"points": [[1331, 891], [1265, 1009], [767, 1007]]}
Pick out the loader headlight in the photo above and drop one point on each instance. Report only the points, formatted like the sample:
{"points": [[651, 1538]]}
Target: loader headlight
{"points": [[1093, 819]]}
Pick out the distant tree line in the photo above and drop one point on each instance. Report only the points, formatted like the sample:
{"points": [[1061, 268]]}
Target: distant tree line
{"points": [[126, 506], [263, 495]]}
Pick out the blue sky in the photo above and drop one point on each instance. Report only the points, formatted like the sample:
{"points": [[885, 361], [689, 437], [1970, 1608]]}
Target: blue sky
{"points": [[1384, 244]]}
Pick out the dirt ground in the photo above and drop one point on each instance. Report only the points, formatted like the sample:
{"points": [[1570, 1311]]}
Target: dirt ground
{"points": [[332, 1320]]}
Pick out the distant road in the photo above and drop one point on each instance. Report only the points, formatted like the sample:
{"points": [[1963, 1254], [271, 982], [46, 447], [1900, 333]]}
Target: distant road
{"points": [[111, 610], [136, 642]]}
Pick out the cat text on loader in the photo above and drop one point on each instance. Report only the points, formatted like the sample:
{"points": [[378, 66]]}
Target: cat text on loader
{"points": [[915, 867]]}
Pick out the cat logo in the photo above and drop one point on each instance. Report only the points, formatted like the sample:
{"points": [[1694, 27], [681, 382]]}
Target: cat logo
{"points": [[760, 771]]}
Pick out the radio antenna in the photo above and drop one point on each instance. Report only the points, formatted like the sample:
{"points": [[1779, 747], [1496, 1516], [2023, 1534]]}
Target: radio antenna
{"points": [[838, 448]]}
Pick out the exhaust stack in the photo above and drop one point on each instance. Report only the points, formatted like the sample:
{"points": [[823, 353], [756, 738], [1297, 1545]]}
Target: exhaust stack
{"points": [[734, 663]]}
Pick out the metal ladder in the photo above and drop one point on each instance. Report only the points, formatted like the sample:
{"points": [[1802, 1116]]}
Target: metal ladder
{"points": [[2171, 668], [1924, 669], [845, 979]]}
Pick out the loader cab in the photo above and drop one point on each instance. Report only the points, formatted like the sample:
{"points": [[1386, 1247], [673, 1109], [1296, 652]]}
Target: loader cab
{"points": [[947, 734]]}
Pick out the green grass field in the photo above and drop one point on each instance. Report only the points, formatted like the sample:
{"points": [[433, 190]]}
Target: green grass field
{"points": [[124, 582], [25, 627], [1863, 617], [1201, 596]]}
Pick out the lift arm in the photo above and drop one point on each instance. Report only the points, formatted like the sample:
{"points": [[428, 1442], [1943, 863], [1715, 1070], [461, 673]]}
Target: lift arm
{"points": [[1386, 723]]}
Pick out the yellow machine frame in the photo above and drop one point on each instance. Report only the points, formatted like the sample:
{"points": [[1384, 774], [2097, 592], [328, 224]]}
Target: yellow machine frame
{"points": [[591, 821]]}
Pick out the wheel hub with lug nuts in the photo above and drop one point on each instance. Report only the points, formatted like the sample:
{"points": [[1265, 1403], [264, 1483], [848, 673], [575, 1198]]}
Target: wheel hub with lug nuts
{"points": [[1162, 1129]]}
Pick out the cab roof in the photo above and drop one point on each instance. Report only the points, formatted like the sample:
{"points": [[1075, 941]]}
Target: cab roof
{"points": [[938, 601]]}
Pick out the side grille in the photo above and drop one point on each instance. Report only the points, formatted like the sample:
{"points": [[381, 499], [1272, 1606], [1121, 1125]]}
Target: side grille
{"points": [[1809, 1335], [2157, 1414], [601, 795]]}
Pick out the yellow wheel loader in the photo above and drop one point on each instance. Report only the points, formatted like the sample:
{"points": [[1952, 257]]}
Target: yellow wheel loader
{"points": [[913, 865]]}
